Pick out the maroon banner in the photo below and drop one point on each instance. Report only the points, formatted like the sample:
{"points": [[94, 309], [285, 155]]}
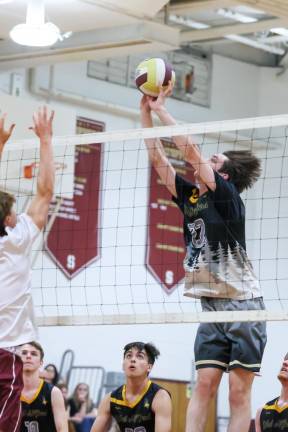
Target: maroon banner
{"points": [[165, 244], [73, 240]]}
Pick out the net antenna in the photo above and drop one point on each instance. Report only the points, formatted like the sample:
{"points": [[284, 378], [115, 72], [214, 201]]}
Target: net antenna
{"points": [[120, 287]]}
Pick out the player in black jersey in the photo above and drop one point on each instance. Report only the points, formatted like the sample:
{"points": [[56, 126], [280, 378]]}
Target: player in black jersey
{"points": [[273, 416], [140, 405], [43, 407], [217, 268]]}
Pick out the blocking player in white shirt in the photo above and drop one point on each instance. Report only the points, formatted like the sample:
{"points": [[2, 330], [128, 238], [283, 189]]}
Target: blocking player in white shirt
{"points": [[16, 237]]}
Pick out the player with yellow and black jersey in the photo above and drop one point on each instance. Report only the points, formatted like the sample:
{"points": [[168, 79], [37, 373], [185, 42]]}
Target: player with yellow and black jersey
{"points": [[273, 416], [43, 407], [139, 405], [37, 412]]}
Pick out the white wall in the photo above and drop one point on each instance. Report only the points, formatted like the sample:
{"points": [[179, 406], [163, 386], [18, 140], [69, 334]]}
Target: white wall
{"points": [[238, 90], [274, 91]]}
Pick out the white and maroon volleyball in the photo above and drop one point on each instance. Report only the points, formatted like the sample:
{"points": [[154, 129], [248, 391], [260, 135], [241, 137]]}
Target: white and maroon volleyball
{"points": [[152, 74]]}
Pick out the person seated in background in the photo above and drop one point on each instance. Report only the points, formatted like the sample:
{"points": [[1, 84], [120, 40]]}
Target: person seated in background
{"points": [[50, 374], [81, 408]]}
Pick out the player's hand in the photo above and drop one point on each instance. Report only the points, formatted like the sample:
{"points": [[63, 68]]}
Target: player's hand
{"points": [[43, 123], [144, 104], [157, 104], [4, 133]]}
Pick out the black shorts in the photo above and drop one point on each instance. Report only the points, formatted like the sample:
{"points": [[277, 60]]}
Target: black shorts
{"points": [[232, 345]]}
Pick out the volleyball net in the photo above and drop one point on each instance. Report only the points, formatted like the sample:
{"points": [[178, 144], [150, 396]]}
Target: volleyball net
{"points": [[113, 246]]}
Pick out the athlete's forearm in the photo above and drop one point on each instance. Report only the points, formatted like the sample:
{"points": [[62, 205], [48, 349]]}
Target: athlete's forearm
{"points": [[154, 146], [46, 175], [184, 143]]}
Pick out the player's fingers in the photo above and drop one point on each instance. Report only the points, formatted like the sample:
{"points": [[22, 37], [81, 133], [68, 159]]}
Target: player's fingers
{"points": [[11, 128], [44, 113], [35, 118], [2, 120], [51, 117]]}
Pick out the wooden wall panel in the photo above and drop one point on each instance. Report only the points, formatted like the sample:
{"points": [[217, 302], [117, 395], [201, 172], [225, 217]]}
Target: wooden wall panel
{"points": [[180, 394]]}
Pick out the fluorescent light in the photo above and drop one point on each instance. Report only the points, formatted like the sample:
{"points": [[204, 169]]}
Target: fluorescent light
{"points": [[35, 32], [236, 16], [188, 22], [273, 39], [44, 35], [280, 31], [255, 44]]}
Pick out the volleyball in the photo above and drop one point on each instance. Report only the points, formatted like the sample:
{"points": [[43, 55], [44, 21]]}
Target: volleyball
{"points": [[152, 74]]}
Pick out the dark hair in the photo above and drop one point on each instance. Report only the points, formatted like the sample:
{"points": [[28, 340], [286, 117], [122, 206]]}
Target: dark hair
{"points": [[150, 349], [6, 203], [38, 347], [56, 374], [243, 168]]}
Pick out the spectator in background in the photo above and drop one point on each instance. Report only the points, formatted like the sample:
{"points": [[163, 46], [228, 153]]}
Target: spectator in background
{"points": [[81, 408], [50, 374]]}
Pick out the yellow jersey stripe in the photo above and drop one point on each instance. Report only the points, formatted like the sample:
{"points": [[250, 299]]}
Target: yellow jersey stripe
{"points": [[126, 403], [275, 407], [29, 401]]}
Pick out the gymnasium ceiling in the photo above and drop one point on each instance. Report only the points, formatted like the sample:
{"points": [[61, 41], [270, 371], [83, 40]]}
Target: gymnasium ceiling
{"points": [[110, 28]]}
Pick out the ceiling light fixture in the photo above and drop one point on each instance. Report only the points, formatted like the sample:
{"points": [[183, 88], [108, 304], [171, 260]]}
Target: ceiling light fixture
{"points": [[273, 39], [255, 44], [188, 22], [236, 16], [280, 31], [35, 32]]}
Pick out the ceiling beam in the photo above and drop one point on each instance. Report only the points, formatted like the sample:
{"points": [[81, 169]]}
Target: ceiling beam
{"points": [[187, 8], [219, 32], [139, 10], [143, 37], [277, 8]]}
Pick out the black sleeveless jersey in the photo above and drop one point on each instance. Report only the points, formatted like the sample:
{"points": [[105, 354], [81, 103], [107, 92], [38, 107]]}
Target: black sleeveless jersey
{"points": [[274, 418], [137, 415], [37, 414]]}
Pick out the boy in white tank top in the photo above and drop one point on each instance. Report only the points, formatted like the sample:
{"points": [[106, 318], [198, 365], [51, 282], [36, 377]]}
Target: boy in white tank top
{"points": [[16, 238]]}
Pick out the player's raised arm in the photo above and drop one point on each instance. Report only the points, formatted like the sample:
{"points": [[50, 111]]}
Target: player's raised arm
{"points": [[59, 412], [4, 133], [185, 144], [156, 151], [162, 407], [39, 206], [103, 419]]}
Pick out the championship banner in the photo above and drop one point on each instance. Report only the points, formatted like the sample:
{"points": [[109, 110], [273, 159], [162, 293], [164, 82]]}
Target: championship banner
{"points": [[165, 243], [73, 240]]}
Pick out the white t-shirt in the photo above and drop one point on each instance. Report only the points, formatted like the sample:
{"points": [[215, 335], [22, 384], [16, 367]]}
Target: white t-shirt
{"points": [[17, 319]]}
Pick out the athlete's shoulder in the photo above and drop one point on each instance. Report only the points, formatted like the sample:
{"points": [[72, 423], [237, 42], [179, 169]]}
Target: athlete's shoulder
{"points": [[47, 387], [117, 393], [156, 388], [270, 403], [23, 233]]}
